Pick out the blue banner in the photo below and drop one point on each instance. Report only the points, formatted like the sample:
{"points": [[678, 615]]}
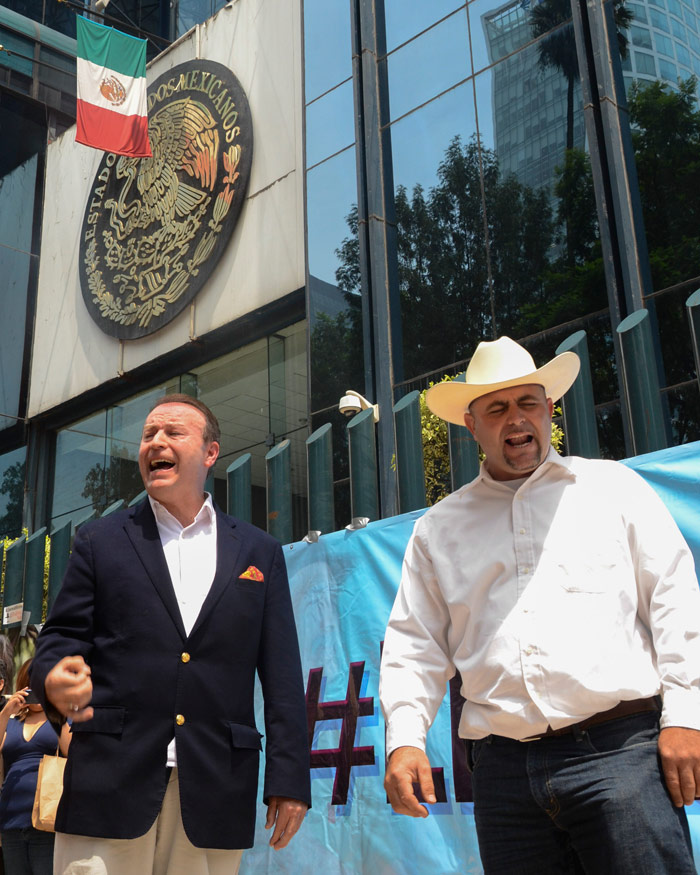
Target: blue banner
{"points": [[343, 588]]}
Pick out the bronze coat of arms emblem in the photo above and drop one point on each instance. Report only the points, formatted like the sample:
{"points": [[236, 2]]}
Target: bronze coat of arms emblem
{"points": [[154, 228]]}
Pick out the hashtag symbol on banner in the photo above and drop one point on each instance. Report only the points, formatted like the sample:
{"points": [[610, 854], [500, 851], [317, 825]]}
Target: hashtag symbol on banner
{"points": [[346, 755]]}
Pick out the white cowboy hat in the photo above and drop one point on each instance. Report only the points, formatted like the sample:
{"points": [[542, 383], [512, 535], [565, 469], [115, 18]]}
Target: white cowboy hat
{"points": [[499, 364]]}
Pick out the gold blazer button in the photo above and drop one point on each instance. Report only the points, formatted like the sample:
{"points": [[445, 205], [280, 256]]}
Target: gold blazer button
{"points": [[185, 657], [179, 719]]}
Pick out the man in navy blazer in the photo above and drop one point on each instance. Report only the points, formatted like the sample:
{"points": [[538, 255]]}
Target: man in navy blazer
{"points": [[152, 648]]}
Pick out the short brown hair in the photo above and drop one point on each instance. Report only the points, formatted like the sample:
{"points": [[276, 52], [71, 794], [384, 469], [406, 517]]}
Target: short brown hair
{"points": [[212, 432]]}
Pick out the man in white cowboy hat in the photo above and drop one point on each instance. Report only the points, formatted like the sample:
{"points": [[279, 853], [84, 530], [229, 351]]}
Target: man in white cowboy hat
{"points": [[563, 593]]}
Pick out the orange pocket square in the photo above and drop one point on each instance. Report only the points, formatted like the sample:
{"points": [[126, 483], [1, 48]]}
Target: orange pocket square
{"points": [[252, 573]]}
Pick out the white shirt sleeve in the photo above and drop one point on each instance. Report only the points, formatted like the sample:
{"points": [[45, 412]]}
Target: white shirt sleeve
{"points": [[669, 601], [415, 661]]}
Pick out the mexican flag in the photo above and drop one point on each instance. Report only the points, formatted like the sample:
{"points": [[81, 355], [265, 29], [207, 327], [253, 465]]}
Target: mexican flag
{"points": [[112, 113]]}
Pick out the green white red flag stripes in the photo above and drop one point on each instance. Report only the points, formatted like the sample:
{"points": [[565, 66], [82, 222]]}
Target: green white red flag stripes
{"points": [[112, 111]]}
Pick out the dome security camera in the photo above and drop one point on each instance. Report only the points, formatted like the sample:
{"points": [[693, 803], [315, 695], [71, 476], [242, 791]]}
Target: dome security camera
{"points": [[352, 402], [349, 405]]}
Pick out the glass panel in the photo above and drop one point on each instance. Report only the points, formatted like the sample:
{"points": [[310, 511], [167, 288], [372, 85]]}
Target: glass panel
{"points": [[52, 76], [663, 45], [658, 19], [683, 56], [12, 467], [59, 16], [80, 462], [405, 20], [97, 458], [641, 37], [674, 329], [428, 65], [327, 45], [191, 12], [22, 46], [258, 394], [639, 12], [610, 432], [684, 409], [668, 71], [419, 142], [331, 196], [497, 30], [678, 30], [439, 227], [334, 305], [645, 63], [16, 192], [330, 124]]}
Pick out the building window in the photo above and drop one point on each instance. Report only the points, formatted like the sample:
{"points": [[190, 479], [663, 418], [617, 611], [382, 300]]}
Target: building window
{"points": [[663, 45], [641, 37], [12, 468], [645, 63], [258, 394]]}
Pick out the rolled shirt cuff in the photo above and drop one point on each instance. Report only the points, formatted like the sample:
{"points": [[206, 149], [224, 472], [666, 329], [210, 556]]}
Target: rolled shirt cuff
{"points": [[405, 730]]}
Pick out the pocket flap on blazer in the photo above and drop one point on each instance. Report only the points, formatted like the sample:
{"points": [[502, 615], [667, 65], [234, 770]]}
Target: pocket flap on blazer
{"points": [[106, 718], [245, 736]]}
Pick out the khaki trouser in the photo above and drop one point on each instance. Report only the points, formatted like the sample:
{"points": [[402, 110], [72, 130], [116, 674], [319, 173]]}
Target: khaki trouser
{"points": [[163, 850]]}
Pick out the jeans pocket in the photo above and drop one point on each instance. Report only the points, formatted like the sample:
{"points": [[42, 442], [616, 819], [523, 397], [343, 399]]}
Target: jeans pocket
{"points": [[474, 749], [630, 732]]}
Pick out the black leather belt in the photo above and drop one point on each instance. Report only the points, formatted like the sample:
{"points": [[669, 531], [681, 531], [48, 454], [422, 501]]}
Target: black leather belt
{"points": [[622, 709]]}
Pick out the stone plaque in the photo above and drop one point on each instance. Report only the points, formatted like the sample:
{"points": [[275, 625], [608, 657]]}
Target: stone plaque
{"points": [[154, 228]]}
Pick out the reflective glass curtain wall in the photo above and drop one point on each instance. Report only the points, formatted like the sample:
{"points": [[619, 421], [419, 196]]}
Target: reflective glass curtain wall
{"points": [[333, 303], [496, 211]]}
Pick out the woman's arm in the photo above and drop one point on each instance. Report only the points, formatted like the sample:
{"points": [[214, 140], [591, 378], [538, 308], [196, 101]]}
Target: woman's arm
{"points": [[14, 705]]}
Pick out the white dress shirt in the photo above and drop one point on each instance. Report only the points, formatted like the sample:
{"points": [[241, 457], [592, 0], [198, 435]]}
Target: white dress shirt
{"points": [[190, 552], [554, 600]]}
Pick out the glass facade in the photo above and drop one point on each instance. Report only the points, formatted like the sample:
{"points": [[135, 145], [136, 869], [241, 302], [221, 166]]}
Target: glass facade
{"points": [[496, 210], [333, 270]]}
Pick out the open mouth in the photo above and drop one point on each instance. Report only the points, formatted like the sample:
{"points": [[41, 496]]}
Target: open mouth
{"points": [[161, 465], [519, 440]]}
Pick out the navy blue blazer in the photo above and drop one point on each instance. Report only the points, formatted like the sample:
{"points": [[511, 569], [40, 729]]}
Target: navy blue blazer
{"points": [[117, 608]]}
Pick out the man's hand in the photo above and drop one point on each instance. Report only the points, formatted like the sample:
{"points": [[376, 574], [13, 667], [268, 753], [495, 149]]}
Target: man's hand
{"points": [[69, 688], [286, 815], [679, 750], [408, 766]]}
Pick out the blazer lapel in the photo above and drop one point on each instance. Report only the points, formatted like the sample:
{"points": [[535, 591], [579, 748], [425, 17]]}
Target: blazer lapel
{"points": [[228, 546], [143, 533]]}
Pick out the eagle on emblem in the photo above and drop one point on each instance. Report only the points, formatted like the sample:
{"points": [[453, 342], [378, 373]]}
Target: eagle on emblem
{"points": [[157, 213]]}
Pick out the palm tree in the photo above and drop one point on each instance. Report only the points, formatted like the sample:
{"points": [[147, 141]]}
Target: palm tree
{"points": [[552, 20]]}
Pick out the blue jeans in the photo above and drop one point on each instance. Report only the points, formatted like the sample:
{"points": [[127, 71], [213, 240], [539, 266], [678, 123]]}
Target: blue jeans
{"points": [[591, 802], [27, 851]]}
